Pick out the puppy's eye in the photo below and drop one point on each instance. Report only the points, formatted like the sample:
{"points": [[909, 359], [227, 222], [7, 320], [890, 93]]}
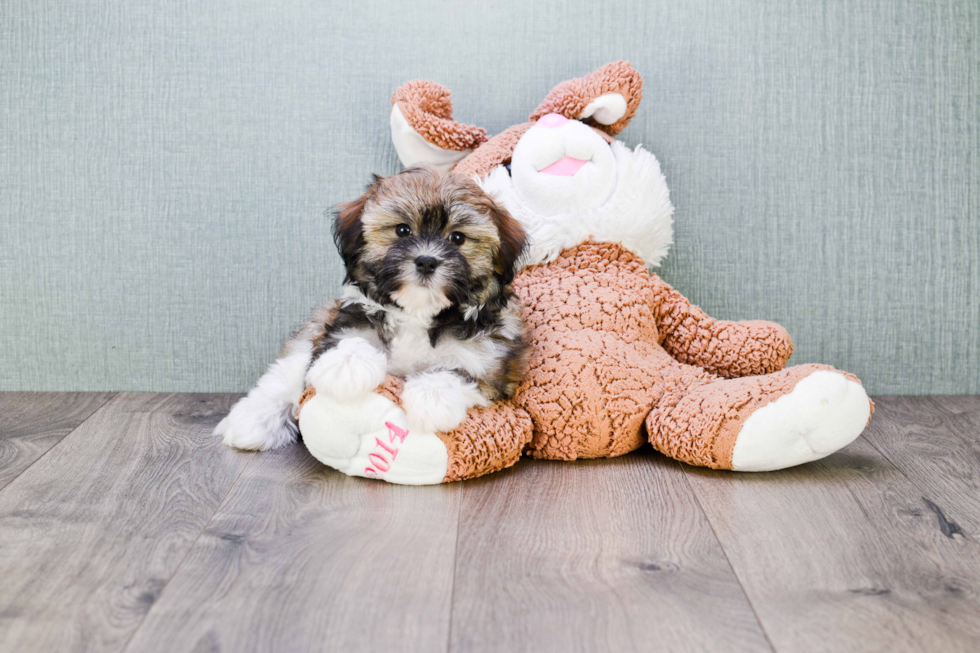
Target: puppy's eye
{"points": [[457, 238], [403, 230]]}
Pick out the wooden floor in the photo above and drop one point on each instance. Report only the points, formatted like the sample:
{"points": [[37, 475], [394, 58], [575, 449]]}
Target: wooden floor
{"points": [[125, 526]]}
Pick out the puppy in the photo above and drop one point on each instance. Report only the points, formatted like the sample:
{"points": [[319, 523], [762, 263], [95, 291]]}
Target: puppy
{"points": [[429, 259]]}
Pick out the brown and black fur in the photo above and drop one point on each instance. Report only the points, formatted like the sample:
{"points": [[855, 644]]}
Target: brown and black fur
{"points": [[474, 306]]}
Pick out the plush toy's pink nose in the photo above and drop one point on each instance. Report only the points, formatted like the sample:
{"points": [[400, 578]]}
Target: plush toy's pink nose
{"points": [[552, 120]]}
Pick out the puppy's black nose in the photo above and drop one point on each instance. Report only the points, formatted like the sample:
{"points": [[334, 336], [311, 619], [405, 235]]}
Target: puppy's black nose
{"points": [[426, 265]]}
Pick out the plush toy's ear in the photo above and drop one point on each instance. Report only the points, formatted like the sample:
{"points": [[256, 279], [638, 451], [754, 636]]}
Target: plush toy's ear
{"points": [[607, 99], [348, 231], [423, 129], [513, 240]]}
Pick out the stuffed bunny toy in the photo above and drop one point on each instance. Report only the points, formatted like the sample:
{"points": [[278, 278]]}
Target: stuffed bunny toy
{"points": [[618, 357]]}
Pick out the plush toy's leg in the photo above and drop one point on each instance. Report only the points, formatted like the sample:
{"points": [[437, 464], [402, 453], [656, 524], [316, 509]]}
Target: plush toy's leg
{"points": [[760, 423], [371, 437]]}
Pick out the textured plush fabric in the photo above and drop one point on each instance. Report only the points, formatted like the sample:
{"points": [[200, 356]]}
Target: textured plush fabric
{"points": [[697, 423], [617, 77], [165, 167], [567, 99], [598, 320], [428, 108], [493, 153], [594, 369], [728, 349], [491, 439]]}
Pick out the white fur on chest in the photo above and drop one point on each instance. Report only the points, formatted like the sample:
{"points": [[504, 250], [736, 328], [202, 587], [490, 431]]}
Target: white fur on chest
{"points": [[637, 214], [410, 351]]}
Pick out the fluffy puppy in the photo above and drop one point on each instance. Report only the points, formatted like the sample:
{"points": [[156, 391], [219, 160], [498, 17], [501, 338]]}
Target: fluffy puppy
{"points": [[429, 259]]}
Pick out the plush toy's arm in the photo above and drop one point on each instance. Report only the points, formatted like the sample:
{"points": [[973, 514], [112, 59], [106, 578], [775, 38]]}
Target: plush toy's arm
{"points": [[607, 98], [423, 129], [728, 349], [491, 439]]}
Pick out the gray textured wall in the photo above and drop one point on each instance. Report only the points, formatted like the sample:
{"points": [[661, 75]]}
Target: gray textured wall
{"points": [[164, 168]]}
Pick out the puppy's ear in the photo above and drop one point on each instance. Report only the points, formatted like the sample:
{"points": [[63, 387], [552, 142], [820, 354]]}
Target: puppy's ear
{"points": [[513, 240], [348, 231]]}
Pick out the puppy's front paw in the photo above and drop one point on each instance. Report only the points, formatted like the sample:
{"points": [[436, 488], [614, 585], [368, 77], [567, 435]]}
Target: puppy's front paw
{"points": [[438, 401], [351, 369]]}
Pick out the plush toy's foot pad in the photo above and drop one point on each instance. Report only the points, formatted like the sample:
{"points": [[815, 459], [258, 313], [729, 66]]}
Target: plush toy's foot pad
{"points": [[759, 423], [824, 412], [370, 437]]}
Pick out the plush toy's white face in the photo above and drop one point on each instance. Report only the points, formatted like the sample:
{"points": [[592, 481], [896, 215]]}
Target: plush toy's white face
{"points": [[566, 184], [562, 165]]}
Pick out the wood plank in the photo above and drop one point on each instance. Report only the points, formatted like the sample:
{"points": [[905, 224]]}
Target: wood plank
{"points": [[302, 558], [609, 555], [33, 422], [935, 441], [842, 555], [91, 533]]}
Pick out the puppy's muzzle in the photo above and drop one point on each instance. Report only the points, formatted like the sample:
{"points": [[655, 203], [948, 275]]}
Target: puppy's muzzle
{"points": [[426, 265]]}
